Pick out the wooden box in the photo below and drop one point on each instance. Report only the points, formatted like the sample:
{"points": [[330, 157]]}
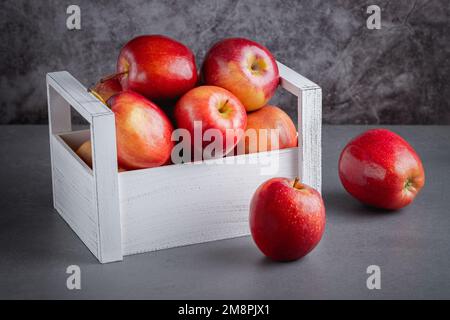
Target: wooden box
{"points": [[118, 214]]}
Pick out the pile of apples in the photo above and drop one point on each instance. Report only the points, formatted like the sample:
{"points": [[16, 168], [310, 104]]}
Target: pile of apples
{"points": [[157, 89]]}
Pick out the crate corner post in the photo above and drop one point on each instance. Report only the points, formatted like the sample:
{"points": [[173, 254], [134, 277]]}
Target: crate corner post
{"points": [[309, 96], [104, 154], [310, 146]]}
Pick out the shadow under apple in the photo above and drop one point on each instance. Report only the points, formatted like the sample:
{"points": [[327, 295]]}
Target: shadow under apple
{"points": [[340, 203]]}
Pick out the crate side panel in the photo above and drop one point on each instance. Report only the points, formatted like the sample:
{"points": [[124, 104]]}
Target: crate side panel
{"points": [[74, 194], [185, 204]]}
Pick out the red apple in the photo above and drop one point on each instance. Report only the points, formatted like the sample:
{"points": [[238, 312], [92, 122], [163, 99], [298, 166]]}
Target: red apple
{"points": [[381, 169], [157, 67], [269, 118], [287, 219], [106, 88], [217, 109], [143, 131], [85, 153], [245, 68]]}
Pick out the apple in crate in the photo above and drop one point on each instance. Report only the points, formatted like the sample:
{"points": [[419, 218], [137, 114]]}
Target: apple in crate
{"points": [[259, 126], [245, 68], [287, 219], [381, 169], [157, 67], [143, 131], [212, 108], [85, 153], [105, 88]]}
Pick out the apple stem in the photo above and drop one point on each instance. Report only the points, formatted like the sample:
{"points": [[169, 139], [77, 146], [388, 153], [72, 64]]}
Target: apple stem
{"points": [[221, 109], [408, 184], [113, 76], [297, 179]]}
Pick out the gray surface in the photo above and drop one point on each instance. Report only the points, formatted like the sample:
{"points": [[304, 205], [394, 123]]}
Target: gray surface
{"points": [[411, 246], [395, 75]]}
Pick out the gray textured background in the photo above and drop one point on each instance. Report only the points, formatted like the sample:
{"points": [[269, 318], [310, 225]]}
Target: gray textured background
{"points": [[398, 74]]}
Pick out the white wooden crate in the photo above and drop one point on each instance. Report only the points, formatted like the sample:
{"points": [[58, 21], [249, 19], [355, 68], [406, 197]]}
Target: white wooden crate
{"points": [[117, 214]]}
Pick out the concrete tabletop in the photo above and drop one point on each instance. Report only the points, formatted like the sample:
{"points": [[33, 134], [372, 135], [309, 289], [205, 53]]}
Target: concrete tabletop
{"points": [[411, 246]]}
